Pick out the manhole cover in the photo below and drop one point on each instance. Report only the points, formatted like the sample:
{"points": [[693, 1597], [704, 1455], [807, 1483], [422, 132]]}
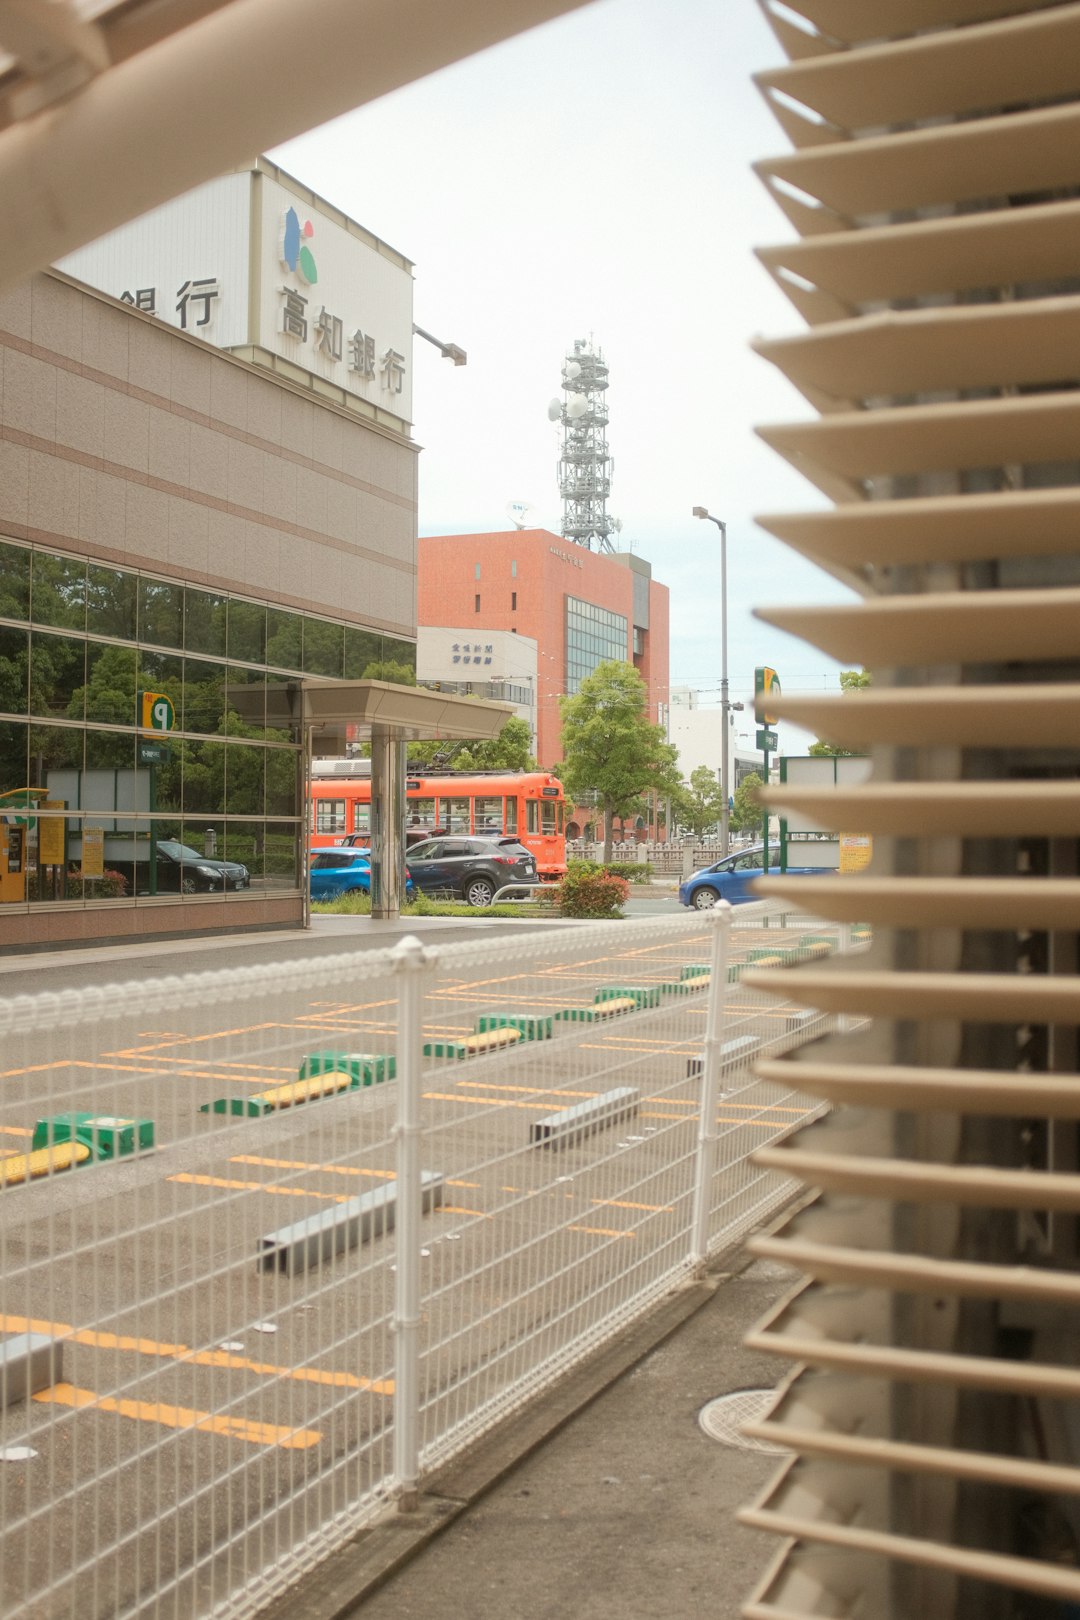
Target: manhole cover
{"points": [[723, 1418]]}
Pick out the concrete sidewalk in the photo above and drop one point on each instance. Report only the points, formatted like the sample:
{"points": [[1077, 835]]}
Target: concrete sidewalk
{"points": [[607, 1502]]}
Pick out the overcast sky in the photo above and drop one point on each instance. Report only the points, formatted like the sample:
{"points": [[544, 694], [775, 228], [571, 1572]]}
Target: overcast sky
{"points": [[592, 179]]}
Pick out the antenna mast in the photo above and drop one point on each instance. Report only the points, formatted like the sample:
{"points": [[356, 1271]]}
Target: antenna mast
{"points": [[585, 467]]}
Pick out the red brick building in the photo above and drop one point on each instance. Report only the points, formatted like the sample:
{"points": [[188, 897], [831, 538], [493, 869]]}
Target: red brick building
{"points": [[580, 607]]}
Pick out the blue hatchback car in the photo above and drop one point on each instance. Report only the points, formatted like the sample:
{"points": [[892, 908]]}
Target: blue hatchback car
{"points": [[342, 871], [730, 879]]}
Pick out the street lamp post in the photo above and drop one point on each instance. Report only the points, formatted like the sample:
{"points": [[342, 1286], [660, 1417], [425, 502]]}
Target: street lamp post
{"points": [[725, 706]]}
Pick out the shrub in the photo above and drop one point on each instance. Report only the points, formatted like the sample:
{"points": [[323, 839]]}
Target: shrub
{"points": [[592, 894], [110, 886], [583, 868], [632, 871]]}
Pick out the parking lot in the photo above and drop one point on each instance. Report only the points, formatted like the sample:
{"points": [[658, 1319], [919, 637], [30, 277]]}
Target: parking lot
{"points": [[190, 1370]]}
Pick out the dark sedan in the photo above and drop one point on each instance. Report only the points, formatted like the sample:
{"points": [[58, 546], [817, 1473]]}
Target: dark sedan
{"points": [[181, 870], [470, 869]]}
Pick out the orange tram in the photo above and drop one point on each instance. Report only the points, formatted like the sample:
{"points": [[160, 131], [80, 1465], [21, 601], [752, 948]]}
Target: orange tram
{"points": [[530, 805]]}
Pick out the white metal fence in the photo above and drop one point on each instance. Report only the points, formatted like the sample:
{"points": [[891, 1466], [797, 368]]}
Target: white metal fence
{"points": [[330, 1221]]}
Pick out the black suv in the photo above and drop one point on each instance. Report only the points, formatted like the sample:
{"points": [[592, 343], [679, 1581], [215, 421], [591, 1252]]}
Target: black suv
{"points": [[473, 868]]}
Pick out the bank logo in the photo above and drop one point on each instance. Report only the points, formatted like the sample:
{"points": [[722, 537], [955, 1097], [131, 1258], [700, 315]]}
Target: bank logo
{"points": [[295, 255]]}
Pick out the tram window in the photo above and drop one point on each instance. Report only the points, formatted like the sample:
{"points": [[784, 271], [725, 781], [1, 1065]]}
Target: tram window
{"points": [[329, 815], [547, 818], [511, 815], [488, 815], [454, 815], [533, 814]]}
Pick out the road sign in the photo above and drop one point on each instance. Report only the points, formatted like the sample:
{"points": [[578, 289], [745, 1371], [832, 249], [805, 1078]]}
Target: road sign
{"points": [[157, 710], [766, 741], [766, 685], [153, 753]]}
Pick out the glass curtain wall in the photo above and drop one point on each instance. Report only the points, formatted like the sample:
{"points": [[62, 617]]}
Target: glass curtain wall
{"points": [[136, 757]]}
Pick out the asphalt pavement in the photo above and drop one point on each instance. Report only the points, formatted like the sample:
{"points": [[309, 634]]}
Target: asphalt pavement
{"points": [[26, 973], [607, 1500]]}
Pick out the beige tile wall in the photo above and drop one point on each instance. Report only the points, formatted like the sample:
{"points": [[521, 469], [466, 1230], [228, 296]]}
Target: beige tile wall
{"points": [[125, 439]]}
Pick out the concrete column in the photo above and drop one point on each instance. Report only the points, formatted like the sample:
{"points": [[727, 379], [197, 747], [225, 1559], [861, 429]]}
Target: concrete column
{"points": [[387, 822]]}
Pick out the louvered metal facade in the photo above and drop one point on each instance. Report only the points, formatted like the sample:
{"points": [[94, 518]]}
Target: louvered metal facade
{"points": [[931, 1403]]}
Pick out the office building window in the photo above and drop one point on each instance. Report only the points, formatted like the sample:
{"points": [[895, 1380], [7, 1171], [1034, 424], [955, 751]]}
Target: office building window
{"points": [[513, 601], [476, 603], [593, 634]]}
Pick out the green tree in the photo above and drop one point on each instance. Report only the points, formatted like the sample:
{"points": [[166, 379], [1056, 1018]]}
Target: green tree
{"points": [[386, 669], [851, 680], [509, 750], [610, 749], [746, 813], [700, 805]]}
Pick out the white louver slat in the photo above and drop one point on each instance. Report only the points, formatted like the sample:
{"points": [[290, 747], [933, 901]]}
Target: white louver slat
{"points": [[931, 1401]]}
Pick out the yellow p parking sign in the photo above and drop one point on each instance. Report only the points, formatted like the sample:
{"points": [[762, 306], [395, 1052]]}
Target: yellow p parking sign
{"points": [[158, 713]]}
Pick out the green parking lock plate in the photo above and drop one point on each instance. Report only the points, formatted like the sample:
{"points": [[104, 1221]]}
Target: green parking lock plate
{"points": [[695, 970], [532, 1026], [365, 1068], [106, 1136], [646, 995]]}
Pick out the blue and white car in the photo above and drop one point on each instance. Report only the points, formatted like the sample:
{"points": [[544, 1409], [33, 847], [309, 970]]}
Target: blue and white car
{"points": [[730, 879], [342, 871]]}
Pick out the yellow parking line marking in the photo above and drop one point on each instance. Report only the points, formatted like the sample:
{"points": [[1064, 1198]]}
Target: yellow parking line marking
{"points": [[196, 1040], [257, 1186], [533, 1091], [602, 1231], [646, 1048], [623, 1203], [200, 1358], [722, 1119], [227, 1063], [303, 1164], [481, 1102], [17, 1130], [183, 1417], [456, 1209]]}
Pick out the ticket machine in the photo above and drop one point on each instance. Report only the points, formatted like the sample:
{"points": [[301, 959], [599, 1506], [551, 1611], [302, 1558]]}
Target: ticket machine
{"points": [[12, 862]]}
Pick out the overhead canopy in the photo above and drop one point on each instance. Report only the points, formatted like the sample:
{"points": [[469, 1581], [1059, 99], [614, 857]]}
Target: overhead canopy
{"points": [[336, 711], [110, 107]]}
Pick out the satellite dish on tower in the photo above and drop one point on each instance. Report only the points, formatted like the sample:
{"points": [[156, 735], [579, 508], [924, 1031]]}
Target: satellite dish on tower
{"points": [[522, 514], [571, 371], [554, 410], [576, 406]]}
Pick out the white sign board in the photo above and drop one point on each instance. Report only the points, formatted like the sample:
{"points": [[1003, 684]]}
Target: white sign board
{"points": [[318, 293]]}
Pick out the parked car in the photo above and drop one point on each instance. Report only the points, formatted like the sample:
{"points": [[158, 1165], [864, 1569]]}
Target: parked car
{"points": [[730, 879], [413, 835], [181, 870], [473, 869], [342, 871]]}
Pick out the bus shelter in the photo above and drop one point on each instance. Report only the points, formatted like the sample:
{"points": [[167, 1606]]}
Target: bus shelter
{"points": [[330, 713]]}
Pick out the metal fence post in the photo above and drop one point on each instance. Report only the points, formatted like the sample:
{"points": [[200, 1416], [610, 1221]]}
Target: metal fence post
{"points": [[705, 1159], [412, 964]]}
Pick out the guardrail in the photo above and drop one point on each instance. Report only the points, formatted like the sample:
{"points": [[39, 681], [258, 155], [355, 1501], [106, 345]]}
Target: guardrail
{"points": [[300, 1262]]}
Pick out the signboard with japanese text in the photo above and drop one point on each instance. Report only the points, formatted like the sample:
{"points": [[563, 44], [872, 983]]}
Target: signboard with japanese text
{"points": [[449, 654], [252, 261], [856, 851], [51, 834], [187, 262], [331, 302], [156, 711], [93, 852]]}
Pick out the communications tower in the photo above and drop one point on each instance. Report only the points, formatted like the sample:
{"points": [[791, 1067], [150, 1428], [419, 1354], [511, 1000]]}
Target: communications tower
{"points": [[585, 467]]}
